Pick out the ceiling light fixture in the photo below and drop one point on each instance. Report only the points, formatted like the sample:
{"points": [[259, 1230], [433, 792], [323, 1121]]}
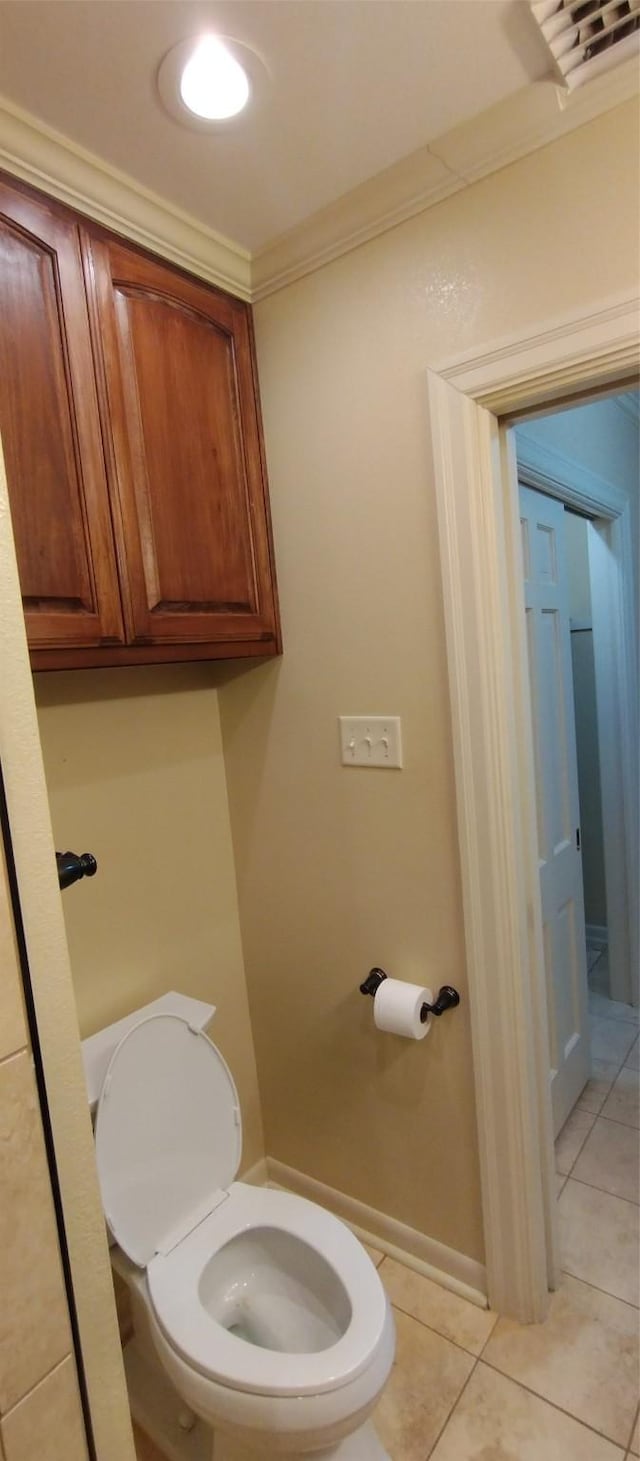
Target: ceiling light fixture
{"points": [[207, 83], [213, 84]]}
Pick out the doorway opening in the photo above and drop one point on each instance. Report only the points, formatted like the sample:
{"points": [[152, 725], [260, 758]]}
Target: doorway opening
{"points": [[473, 400], [580, 602], [578, 474], [588, 458]]}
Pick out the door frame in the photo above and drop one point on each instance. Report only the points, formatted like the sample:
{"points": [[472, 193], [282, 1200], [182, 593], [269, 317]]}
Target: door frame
{"points": [[475, 467], [51, 991], [613, 617]]}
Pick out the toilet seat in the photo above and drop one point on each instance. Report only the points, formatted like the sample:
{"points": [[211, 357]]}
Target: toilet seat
{"points": [[201, 1340], [168, 1134]]}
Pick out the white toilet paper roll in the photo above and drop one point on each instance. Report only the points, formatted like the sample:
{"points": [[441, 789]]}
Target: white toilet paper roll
{"points": [[397, 1006]]}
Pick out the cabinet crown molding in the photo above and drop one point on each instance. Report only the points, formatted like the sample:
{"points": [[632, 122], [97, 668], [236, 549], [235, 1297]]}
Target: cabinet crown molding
{"points": [[37, 154]]}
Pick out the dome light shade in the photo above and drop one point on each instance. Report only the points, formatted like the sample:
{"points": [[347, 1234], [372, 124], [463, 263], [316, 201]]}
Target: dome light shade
{"points": [[206, 81], [213, 84]]}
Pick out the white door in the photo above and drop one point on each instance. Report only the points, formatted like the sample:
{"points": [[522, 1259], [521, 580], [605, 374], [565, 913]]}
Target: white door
{"points": [[558, 816]]}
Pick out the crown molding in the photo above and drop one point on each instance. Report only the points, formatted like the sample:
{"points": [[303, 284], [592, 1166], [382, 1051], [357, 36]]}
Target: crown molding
{"points": [[391, 197], [550, 470], [524, 122], [37, 154], [529, 119]]}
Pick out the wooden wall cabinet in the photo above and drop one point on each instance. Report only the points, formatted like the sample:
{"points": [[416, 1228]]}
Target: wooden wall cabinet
{"points": [[51, 434], [131, 430]]}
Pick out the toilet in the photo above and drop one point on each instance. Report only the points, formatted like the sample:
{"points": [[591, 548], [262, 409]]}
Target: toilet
{"points": [[266, 1314]]}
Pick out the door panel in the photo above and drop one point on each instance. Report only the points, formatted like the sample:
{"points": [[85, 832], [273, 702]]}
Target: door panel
{"points": [[188, 460], [556, 789], [191, 500], [51, 432]]}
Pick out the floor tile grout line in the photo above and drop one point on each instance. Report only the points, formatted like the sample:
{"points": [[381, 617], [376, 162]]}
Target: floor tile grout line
{"points": [[455, 1342], [625, 1065], [563, 1411], [632, 1201], [602, 1058], [597, 1116], [587, 1283], [586, 1135], [454, 1407], [622, 1066], [619, 1003], [614, 1077], [613, 1120], [619, 1066], [587, 1109], [633, 1426], [479, 1358], [599, 1290], [614, 1020], [491, 1333]]}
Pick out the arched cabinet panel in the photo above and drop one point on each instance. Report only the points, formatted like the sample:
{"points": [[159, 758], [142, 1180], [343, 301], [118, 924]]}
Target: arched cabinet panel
{"points": [[188, 464], [51, 434]]}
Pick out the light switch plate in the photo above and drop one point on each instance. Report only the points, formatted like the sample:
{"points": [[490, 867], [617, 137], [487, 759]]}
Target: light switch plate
{"points": [[370, 740]]}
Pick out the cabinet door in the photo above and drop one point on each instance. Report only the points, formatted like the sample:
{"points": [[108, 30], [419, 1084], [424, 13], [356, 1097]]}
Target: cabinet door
{"points": [[50, 431], [188, 463]]}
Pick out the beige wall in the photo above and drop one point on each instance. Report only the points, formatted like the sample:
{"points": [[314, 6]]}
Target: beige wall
{"points": [[341, 869], [135, 774]]}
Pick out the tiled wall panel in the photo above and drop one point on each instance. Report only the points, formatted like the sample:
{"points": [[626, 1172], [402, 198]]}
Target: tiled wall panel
{"points": [[47, 1424], [40, 1412]]}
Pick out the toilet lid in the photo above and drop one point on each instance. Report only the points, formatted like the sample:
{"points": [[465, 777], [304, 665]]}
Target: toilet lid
{"points": [[168, 1134]]}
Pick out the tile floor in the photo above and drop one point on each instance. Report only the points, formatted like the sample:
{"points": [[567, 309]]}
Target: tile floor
{"points": [[469, 1386]]}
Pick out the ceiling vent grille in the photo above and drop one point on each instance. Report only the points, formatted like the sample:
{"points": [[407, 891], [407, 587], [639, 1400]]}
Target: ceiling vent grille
{"points": [[586, 37]]}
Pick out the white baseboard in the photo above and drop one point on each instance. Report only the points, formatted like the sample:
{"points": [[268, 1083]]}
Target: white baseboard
{"points": [[597, 935], [452, 1270]]}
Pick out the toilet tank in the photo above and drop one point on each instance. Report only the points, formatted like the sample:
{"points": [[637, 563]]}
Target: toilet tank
{"points": [[97, 1049]]}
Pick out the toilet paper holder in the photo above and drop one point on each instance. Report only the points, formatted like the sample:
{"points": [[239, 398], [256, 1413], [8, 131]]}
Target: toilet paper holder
{"points": [[447, 999]]}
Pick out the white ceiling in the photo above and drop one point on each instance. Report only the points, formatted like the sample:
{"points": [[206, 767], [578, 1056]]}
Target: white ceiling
{"points": [[355, 85]]}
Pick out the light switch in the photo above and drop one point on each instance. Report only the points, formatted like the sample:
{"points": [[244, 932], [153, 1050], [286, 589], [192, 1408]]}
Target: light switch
{"points": [[370, 740]]}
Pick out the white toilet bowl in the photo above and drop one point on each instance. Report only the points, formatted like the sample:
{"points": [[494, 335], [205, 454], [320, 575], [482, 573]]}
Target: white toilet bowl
{"points": [[266, 1313]]}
